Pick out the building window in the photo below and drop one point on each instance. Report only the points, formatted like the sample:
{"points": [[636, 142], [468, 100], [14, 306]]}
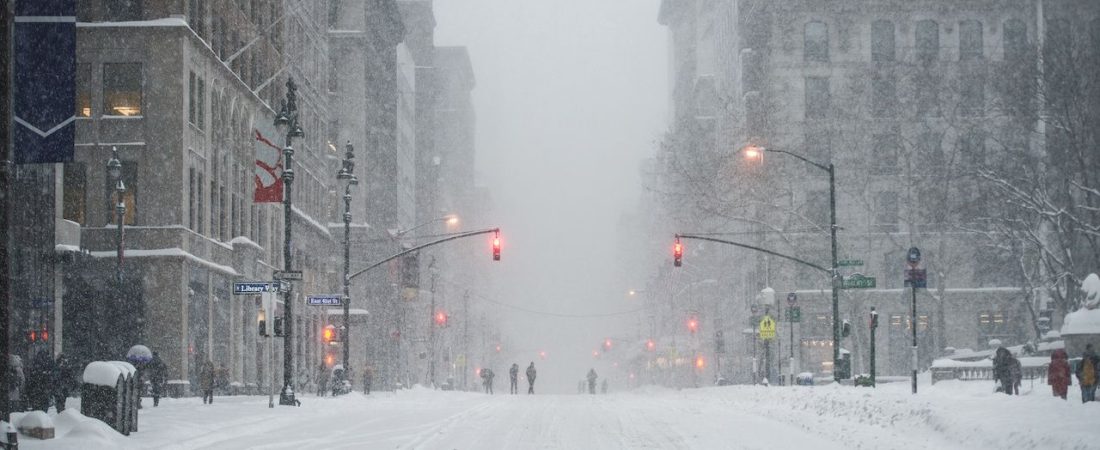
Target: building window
{"points": [[970, 40], [122, 89], [83, 93], [817, 97], [74, 197], [123, 10], [972, 95], [882, 41], [129, 197], [200, 203], [1015, 40], [992, 324], [884, 97], [884, 154], [886, 211], [191, 87], [815, 42], [192, 199], [927, 41]]}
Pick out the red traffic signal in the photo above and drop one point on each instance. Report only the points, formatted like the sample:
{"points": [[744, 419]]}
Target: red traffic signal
{"points": [[496, 247], [607, 344], [677, 253], [650, 345], [441, 318], [328, 334], [693, 325]]}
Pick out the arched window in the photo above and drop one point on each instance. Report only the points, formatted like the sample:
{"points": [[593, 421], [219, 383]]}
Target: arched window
{"points": [[928, 40], [882, 41], [1015, 39], [816, 42], [970, 40]]}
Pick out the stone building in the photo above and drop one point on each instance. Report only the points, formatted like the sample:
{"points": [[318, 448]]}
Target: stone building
{"points": [[909, 101], [179, 89]]}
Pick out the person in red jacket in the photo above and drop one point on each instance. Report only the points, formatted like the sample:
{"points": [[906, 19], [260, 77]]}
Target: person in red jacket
{"points": [[1058, 373]]}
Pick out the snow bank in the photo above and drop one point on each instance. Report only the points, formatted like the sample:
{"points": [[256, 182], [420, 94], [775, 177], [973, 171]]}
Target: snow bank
{"points": [[35, 419], [106, 373], [1082, 321]]}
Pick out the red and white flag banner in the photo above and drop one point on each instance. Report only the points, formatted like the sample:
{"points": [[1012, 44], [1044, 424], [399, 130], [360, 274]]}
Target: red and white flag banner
{"points": [[269, 170]]}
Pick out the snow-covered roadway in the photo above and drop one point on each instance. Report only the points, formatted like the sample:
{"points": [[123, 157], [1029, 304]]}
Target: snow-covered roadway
{"points": [[948, 415]]}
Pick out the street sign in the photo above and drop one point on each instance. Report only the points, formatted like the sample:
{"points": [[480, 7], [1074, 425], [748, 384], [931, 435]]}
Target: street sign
{"points": [[767, 328], [858, 281], [292, 275], [794, 314], [325, 300], [913, 256], [792, 299], [849, 262], [917, 278], [255, 287]]}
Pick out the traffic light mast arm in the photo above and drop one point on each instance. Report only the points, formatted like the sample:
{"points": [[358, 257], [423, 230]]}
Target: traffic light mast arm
{"points": [[750, 247], [422, 246]]}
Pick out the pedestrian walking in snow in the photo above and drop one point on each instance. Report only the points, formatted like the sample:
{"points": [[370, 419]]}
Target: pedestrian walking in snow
{"points": [[206, 382], [487, 379], [63, 381], [322, 380], [16, 381], [592, 381], [368, 378], [1002, 370], [158, 377], [1058, 373], [513, 376], [40, 381], [531, 378], [1088, 370]]}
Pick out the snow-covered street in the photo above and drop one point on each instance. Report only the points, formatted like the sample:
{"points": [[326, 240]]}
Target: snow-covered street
{"points": [[948, 415]]}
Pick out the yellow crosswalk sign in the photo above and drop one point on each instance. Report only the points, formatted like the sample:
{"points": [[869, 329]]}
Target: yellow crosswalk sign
{"points": [[767, 328]]}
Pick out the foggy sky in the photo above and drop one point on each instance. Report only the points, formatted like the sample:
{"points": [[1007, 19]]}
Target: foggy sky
{"points": [[570, 96]]}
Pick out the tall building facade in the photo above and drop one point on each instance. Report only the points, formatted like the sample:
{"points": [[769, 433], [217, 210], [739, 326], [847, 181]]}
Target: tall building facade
{"points": [[914, 104]]}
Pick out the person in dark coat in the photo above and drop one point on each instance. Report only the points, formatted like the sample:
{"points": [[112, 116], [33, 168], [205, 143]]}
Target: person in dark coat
{"points": [[206, 382], [40, 382], [1088, 372], [487, 379], [1058, 373], [157, 372], [531, 378], [1002, 370], [513, 376], [592, 381], [63, 381], [322, 380], [368, 378]]}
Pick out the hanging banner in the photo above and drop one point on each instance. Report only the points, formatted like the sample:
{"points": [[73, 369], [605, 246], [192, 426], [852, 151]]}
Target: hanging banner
{"points": [[44, 81], [269, 169]]}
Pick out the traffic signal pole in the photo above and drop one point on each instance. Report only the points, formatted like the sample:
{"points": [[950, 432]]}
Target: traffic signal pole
{"points": [[423, 246], [6, 168]]}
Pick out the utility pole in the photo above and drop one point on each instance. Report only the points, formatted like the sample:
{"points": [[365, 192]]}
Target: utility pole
{"points": [[431, 330]]}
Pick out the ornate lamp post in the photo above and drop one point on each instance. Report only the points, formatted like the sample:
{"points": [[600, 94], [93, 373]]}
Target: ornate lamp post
{"points": [[346, 177], [114, 169], [287, 121]]}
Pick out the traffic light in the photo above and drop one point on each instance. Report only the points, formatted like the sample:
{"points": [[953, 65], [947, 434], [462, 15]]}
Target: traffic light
{"points": [[278, 327], [700, 363], [440, 318], [693, 325], [607, 344], [329, 334], [496, 247], [650, 345], [677, 253]]}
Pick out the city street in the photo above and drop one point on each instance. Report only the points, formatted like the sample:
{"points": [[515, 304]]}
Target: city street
{"points": [[948, 415]]}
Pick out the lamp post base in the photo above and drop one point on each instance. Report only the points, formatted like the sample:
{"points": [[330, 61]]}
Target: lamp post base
{"points": [[286, 397]]}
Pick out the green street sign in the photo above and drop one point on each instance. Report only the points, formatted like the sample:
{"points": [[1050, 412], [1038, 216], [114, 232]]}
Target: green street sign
{"points": [[858, 281], [849, 262], [794, 314]]}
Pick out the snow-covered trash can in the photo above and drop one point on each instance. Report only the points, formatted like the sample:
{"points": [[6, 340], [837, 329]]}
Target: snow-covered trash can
{"points": [[110, 395]]}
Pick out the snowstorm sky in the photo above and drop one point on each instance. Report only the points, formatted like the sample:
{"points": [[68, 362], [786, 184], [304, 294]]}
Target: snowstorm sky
{"points": [[570, 96]]}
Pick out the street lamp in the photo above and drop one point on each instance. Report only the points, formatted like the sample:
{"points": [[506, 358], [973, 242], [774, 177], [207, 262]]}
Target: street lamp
{"points": [[346, 176], [114, 169], [287, 122], [754, 152], [449, 219]]}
